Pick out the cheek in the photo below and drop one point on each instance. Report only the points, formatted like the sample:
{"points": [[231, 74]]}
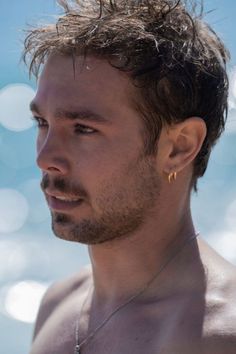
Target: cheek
{"points": [[93, 161], [93, 171], [99, 174], [103, 161]]}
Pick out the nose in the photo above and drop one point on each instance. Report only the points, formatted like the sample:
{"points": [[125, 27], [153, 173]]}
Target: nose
{"points": [[51, 155]]}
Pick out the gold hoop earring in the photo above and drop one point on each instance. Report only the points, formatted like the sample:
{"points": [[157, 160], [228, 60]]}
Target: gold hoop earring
{"points": [[172, 177]]}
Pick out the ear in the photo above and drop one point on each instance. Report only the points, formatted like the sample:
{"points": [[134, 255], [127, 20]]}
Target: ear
{"points": [[185, 141]]}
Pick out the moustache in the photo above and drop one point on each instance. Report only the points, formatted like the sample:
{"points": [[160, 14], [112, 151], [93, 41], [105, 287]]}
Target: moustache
{"points": [[61, 185]]}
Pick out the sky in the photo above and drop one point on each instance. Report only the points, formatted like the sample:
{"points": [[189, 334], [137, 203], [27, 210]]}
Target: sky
{"points": [[31, 257]]}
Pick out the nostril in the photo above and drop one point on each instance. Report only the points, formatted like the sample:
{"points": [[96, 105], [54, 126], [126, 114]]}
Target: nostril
{"points": [[52, 164], [53, 169]]}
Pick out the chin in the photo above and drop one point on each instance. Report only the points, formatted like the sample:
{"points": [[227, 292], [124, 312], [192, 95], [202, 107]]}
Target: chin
{"points": [[91, 231], [61, 226], [62, 232]]}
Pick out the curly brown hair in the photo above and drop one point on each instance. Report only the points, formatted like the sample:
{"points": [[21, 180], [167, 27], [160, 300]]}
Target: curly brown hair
{"points": [[172, 56]]}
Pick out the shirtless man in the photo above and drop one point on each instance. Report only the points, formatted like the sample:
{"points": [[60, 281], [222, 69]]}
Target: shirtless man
{"points": [[130, 101]]}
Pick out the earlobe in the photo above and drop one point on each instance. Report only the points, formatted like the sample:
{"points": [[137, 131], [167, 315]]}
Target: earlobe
{"points": [[187, 138]]}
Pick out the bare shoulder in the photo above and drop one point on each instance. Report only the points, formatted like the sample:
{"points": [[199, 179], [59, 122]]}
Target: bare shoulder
{"points": [[219, 326], [220, 332], [59, 292]]}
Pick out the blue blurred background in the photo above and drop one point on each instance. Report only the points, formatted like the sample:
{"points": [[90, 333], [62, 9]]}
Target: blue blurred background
{"points": [[31, 257]]}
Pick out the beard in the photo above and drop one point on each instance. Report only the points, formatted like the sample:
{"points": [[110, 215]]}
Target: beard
{"points": [[119, 209]]}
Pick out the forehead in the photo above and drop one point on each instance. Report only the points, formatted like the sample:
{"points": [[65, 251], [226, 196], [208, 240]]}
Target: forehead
{"points": [[83, 81]]}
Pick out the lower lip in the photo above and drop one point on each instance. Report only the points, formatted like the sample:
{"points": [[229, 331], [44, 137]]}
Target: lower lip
{"points": [[62, 205]]}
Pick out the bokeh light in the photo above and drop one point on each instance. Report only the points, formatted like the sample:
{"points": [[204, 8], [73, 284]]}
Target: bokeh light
{"points": [[38, 210], [231, 217], [22, 300], [14, 102], [224, 154], [231, 122], [233, 85], [14, 149], [13, 259], [23, 254], [13, 210], [232, 88], [224, 243]]}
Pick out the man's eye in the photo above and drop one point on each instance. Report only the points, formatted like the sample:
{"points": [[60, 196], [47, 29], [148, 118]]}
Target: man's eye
{"points": [[83, 129], [40, 122]]}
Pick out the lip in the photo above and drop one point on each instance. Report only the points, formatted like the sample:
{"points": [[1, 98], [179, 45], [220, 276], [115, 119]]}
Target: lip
{"points": [[61, 205]]}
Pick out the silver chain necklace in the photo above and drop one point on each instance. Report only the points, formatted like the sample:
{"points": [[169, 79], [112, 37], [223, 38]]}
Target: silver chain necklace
{"points": [[91, 335]]}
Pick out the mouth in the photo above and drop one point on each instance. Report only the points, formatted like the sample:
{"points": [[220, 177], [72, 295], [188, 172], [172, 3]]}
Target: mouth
{"points": [[62, 202]]}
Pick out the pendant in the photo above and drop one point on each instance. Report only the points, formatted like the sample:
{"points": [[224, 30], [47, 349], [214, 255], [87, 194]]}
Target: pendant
{"points": [[77, 349]]}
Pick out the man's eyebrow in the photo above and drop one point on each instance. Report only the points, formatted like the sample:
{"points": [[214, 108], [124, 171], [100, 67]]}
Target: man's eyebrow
{"points": [[83, 114], [33, 107], [73, 114]]}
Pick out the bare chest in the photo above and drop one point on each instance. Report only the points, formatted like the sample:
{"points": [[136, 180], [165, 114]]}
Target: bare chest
{"points": [[152, 330]]}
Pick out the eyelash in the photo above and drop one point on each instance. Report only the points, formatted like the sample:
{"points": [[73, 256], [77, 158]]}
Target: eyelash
{"points": [[83, 129], [79, 128], [40, 122]]}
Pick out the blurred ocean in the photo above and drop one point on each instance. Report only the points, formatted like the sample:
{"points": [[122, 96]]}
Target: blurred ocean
{"points": [[31, 256]]}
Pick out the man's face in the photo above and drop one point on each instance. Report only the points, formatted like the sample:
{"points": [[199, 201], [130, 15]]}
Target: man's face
{"points": [[98, 184]]}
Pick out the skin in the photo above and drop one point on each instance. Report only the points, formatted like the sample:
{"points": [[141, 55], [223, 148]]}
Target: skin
{"points": [[190, 305]]}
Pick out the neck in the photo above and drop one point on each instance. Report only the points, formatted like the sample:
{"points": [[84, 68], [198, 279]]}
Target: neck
{"points": [[123, 267]]}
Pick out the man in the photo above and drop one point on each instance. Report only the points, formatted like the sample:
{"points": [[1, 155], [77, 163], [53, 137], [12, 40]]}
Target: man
{"points": [[131, 99]]}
